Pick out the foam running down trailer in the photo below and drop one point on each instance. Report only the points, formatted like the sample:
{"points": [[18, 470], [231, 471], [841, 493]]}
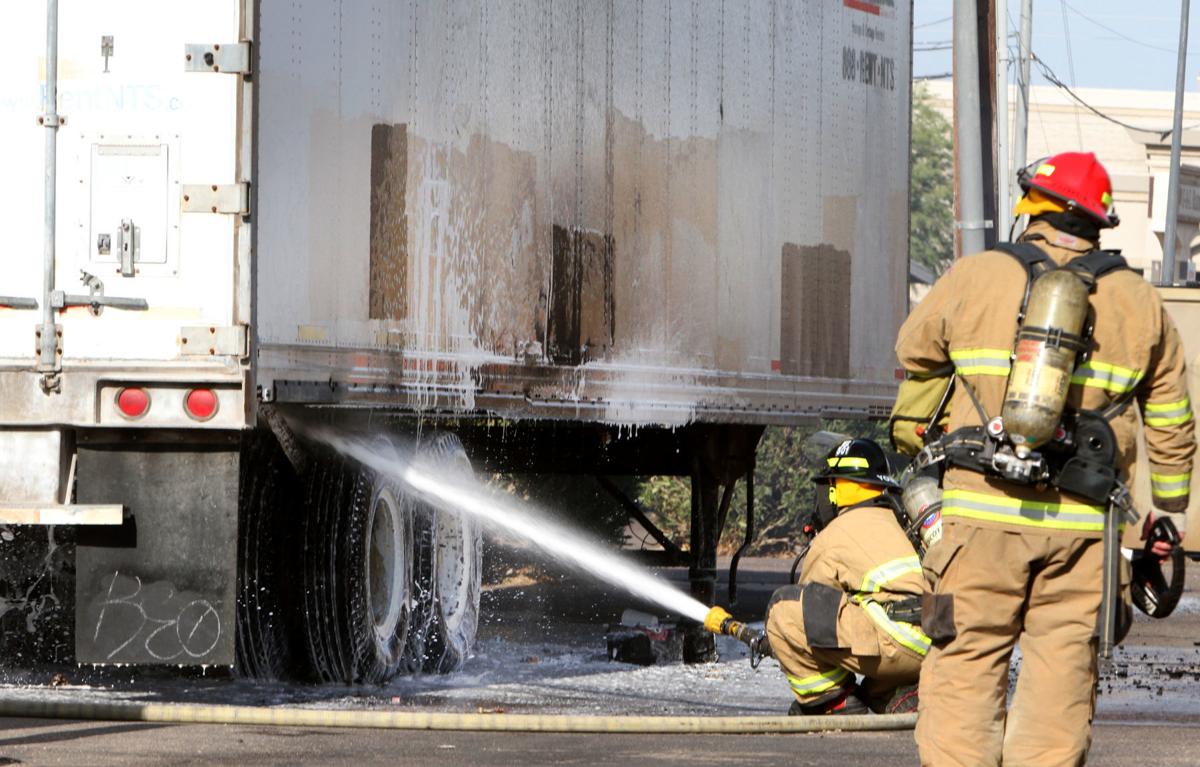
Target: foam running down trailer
{"points": [[595, 238]]}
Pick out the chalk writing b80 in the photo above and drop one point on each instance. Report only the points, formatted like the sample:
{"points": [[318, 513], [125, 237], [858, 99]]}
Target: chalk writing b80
{"points": [[167, 625]]}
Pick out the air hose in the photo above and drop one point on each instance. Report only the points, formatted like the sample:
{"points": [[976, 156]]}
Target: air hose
{"points": [[417, 720]]}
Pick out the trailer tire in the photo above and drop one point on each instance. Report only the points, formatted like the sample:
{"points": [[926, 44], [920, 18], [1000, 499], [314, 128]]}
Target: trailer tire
{"points": [[264, 635], [424, 519], [449, 550], [357, 573]]}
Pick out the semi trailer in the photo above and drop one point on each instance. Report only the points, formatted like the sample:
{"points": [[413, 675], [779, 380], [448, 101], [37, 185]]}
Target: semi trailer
{"points": [[612, 237]]}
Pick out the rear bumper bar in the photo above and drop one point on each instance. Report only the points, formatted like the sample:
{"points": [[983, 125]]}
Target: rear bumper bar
{"points": [[73, 514]]}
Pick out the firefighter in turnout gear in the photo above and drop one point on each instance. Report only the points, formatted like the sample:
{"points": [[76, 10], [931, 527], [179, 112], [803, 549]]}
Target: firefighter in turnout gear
{"points": [[855, 609], [1020, 560]]}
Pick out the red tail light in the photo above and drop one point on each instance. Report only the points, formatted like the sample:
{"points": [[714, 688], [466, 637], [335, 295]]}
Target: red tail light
{"points": [[201, 404], [133, 402]]}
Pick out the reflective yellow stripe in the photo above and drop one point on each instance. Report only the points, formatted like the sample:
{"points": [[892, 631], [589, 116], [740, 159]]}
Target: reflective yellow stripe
{"points": [[905, 634], [1178, 493], [981, 362], [1167, 413], [848, 462], [1102, 375], [1165, 407], [818, 683], [889, 571], [1170, 485], [1172, 421], [1184, 477], [1014, 511]]}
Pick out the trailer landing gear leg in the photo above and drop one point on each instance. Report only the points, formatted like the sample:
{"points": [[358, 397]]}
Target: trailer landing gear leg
{"points": [[699, 646], [720, 455]]}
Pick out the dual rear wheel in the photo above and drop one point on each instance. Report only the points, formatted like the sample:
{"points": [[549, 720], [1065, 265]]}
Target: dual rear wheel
{"points": [[380, 582]]}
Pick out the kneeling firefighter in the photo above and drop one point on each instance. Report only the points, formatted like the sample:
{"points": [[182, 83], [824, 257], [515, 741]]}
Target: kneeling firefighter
{"points": [[856, 606], [1025, 368]]}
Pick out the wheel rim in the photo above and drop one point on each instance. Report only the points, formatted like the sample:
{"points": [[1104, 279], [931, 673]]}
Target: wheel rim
{"points": [[451, 573], [457, 537], [385, 567]]}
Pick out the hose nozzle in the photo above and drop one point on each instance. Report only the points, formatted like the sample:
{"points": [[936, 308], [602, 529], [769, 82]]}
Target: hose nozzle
{"points": [[718, 621], [715, 620]]}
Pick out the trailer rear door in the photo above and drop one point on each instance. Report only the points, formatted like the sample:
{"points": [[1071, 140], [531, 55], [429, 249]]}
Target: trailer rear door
{"points": [[147, 163]]}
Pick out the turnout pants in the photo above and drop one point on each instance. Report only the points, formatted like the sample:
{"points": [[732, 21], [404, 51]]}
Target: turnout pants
{"points": [[815, 673], [1042, 590]]}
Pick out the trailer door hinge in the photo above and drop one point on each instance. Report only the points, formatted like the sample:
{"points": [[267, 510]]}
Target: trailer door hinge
{"points": [[231, 58], [216, 198]]}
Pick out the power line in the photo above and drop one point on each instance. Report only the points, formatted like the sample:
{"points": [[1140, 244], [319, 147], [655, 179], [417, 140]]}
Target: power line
{"points": [[1071, 68], [933, 23], [1041, 119], [1118, 33], [1054, 80], [923, 46]]}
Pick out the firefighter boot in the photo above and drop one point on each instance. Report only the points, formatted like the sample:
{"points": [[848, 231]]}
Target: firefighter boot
{"points": [[899, 700], [841, 701]]}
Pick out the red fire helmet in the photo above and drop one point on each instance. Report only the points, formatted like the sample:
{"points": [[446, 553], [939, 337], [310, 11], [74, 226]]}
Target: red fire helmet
{"points": [[1076, 178]]}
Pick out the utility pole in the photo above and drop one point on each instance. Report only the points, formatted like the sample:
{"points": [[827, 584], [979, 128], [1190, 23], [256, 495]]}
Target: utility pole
{"points": [[1020, 156], [1168, 261], [971, 222], [1003, 174]]}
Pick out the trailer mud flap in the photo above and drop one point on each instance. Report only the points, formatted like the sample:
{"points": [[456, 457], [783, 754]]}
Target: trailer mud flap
{"points": [[160, 588]]}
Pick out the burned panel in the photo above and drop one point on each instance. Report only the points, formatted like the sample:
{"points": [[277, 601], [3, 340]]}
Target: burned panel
{"points": [[389, 222], [815, 315], [581, 310], [159, 589], [477, 252]]}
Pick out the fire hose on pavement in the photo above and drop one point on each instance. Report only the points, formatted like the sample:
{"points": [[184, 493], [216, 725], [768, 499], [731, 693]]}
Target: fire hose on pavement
{"points": [[173, 713]]}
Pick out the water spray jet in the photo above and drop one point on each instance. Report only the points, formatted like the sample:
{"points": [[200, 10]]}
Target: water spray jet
{"points": [[450, 494]]}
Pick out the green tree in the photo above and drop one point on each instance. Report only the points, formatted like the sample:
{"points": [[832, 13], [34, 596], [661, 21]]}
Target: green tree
{"points": [[931, 187], [783, 490]]}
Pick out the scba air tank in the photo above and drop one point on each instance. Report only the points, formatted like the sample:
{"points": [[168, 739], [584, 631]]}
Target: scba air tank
{"points": [[1048, 342], [922, 499]]}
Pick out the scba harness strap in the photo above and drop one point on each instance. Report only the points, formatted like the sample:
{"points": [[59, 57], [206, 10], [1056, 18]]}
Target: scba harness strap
{"points": [[1089, 267], [1095, 264], [1083, 458]]}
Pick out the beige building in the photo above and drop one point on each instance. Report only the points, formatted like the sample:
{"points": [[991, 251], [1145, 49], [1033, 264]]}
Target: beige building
{"points": [[1137, 160]]}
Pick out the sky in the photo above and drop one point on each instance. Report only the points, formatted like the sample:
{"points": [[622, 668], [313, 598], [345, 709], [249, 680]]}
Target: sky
{"points": [[1137, 51]]}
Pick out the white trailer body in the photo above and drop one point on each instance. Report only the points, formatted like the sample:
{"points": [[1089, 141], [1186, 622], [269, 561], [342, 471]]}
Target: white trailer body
{"points": [[663, 215], [627, 212]]}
